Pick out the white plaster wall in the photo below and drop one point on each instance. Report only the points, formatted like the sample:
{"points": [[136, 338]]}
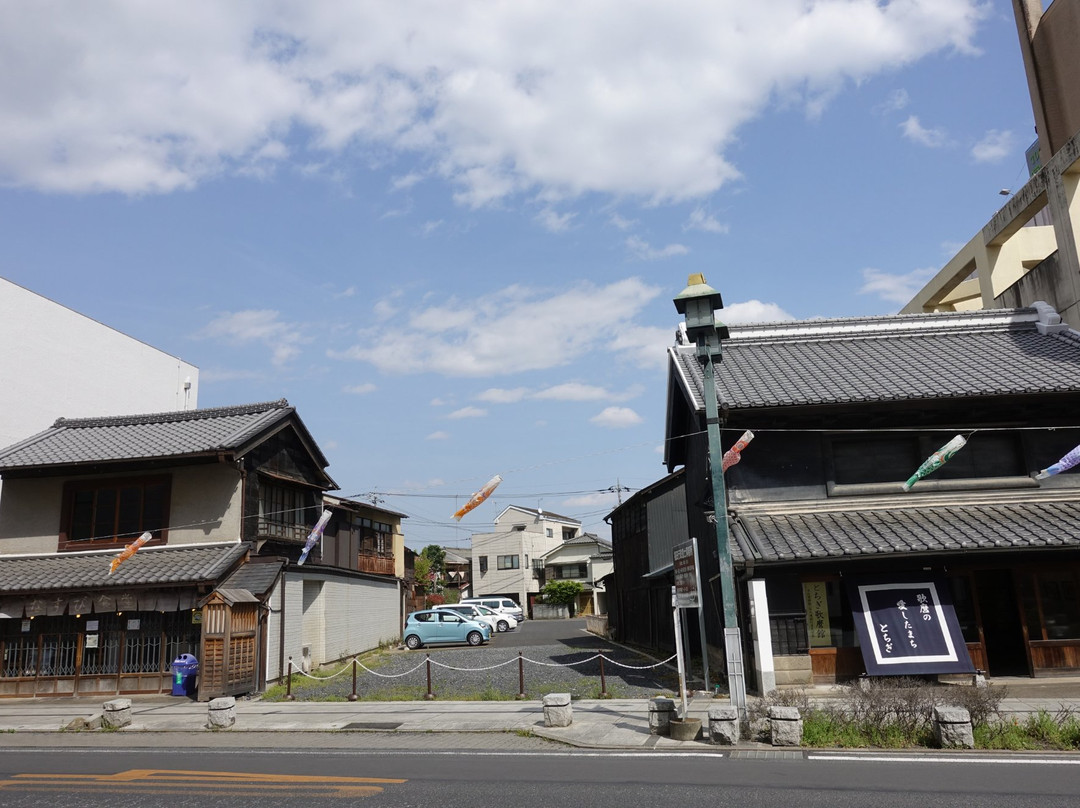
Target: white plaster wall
{"points": [[360, 615], [314, 622], [55, 362], [205, 507], [286, 602], [335, 617]]}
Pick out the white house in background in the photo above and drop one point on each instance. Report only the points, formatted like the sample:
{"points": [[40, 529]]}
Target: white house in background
{"points": [[508, 561], [586, 559], [55, 362]]}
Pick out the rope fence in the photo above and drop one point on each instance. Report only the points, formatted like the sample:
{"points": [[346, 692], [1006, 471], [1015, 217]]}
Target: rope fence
{"points": [[354, 664]]}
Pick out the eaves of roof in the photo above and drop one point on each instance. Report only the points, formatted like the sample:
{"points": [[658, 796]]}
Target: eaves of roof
{"points": [[909, 531], [150, 567], [902, 358]]}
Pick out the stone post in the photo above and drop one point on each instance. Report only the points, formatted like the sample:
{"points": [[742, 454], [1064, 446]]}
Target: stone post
{"points": [[557, 710], [117, 713], [785, 726], [952, 728], [221, 713], [661, 711], [723, 725]]}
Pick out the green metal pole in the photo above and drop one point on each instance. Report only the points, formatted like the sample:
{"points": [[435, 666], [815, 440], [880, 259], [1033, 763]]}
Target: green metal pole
{"points": [[716, 456]]}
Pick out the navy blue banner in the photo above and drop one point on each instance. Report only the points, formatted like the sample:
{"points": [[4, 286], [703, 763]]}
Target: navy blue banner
{"points": [[907, 626]]}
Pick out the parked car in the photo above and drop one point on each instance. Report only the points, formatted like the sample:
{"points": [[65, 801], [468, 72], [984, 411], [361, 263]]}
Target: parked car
{"points": [[469, 612], [439, 626], [499, 604], [503, 621], [481, 614]]}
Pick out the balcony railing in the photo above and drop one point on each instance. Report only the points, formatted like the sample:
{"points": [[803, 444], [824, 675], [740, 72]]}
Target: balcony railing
{"points": [[283, 531], [374, 563]]}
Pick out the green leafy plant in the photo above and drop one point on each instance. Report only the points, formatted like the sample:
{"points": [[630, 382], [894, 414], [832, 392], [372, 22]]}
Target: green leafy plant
{"points": [[562, 593]]}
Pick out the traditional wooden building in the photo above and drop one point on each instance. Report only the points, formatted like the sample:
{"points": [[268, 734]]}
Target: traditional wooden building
{"points": [[214, 489], [843, 412]]}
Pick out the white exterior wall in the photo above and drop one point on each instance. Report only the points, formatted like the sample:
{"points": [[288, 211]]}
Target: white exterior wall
{"points": [[286, 602], [56, 363], [204, 507], [335, 617]]}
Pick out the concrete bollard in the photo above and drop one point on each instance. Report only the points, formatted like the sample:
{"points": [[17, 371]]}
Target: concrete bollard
{"points": [[661, 711], [117, 713], [952, 728], [557, 710], [221, 713], [723, 725], [785, 726]]}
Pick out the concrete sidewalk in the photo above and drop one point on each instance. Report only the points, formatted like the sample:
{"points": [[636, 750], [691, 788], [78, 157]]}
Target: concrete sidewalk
{"points": [[597, 724]]}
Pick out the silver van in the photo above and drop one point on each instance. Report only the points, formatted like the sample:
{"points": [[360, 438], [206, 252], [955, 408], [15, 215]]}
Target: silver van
{"points": [[500, 605]]}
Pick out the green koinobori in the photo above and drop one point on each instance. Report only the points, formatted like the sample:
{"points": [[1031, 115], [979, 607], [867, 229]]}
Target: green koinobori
{"points": [[936, 460]]}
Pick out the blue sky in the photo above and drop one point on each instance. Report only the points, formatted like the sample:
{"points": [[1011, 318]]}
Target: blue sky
{"points": [[450, 233]]}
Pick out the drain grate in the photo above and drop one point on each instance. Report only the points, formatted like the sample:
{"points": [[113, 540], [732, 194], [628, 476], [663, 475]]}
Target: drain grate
{"points": [[373, 725]]}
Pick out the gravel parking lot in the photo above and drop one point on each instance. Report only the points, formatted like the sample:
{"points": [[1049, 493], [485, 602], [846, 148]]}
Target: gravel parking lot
{"points": [[555, 663]]}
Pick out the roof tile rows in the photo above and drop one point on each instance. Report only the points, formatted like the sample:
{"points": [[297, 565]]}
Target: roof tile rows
{"points": [[165, 566], [170, 434], [938, 529], [921, 358]]}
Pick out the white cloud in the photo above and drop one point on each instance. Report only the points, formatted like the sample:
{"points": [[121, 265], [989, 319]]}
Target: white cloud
{"points": [[430, 227], [568, 391], [257, 325], [495, 395], [621, 222], [898, 289], [700, 220], [468, 412], [555, 222], [917, 133], [440, 402], [616, 418], [994, 147], [496, 99], [360, 389], [511, 330], [600, 499], [752, 311], [896, 100], [438, 435], [574, 391], [646, 252], [645, 345]]}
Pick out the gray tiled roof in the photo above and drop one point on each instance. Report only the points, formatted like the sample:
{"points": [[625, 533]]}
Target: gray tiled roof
{"points": [[937, 529], [868, 359], [160, 566], [156, 435], [256, 577]]}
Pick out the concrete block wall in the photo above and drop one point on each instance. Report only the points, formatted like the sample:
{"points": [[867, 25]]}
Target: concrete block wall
{"points": [[793, 670]]}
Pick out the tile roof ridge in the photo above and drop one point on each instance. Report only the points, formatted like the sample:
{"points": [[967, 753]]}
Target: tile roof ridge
{"points": [[891, 325], [171, 416]]}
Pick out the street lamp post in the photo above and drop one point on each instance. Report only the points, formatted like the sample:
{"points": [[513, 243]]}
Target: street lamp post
{"points": [[698, 303]]}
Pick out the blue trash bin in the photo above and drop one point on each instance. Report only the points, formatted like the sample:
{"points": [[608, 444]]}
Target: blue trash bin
{"points": [[184, 670]]}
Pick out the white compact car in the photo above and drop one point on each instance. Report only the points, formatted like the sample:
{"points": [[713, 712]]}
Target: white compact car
{"points": [[499, 604], [503, 621], [470, 612]]}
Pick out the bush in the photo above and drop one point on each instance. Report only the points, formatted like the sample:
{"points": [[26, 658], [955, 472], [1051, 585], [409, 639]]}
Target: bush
{"points": [[893, 713]]}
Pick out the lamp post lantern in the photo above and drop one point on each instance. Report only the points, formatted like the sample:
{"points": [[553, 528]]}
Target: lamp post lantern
{"points": [[698, 303]]}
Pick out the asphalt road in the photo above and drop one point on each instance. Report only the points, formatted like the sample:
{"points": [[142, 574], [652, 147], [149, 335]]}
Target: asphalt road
{"points": [[230, 778]]}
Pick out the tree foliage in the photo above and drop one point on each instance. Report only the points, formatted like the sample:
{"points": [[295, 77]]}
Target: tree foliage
{"points": [[559, 593], [437, 556]]}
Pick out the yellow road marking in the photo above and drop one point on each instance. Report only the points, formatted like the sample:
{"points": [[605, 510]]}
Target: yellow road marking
{"points": [[150, 781]]}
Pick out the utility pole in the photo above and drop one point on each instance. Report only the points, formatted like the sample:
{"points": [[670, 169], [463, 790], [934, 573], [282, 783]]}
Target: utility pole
{"points": [[698, 302]]}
